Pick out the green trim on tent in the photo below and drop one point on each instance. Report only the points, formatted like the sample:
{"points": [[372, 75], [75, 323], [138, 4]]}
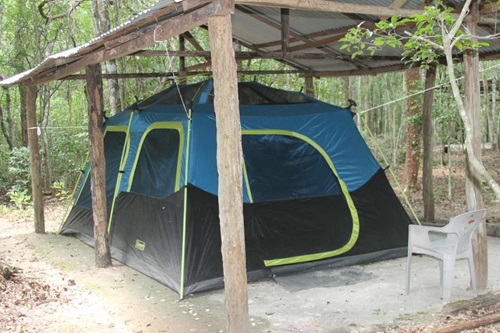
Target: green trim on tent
{"points": [[247, 182], [126, 146], [161, 125], [184, 212], [354, 213], [108, 129]]}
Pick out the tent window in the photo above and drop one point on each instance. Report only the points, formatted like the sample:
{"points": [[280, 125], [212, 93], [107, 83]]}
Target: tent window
{"points": [[113, 147], [156, 169], [281, 167]]}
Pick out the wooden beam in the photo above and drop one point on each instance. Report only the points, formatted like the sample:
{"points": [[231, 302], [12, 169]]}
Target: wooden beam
{"points": [[367, 71], [35, 166], [398, 3], [316, 44], [168, 75], [182, 60], [229, 166], [190, 38], [285, 30], [245, 55], [193, 4], [332, 6], [395, 4], [173, 27], [306, 38]]}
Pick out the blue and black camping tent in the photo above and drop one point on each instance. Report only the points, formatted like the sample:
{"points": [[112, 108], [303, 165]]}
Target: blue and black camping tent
{"points": [[314, 195]]}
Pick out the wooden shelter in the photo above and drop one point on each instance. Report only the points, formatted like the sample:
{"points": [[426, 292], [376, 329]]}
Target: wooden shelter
{"points": [[304, 35]]}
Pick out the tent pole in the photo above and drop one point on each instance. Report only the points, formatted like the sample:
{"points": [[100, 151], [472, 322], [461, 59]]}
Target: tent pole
{"points": [[184, 213]]}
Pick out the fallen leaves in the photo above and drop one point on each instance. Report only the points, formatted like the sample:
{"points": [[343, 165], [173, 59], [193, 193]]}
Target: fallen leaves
{"points": [[20, 294]]}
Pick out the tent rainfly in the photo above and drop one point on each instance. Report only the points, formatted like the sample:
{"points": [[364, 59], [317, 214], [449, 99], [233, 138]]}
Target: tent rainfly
{"points": [[314, 195]]}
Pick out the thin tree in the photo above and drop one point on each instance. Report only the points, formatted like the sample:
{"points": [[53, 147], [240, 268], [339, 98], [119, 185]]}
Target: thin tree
{"points": [[414, 129], [102, 24]]}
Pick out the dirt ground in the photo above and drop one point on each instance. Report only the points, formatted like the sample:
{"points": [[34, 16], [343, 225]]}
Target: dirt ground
{"points": [[54, 287]]}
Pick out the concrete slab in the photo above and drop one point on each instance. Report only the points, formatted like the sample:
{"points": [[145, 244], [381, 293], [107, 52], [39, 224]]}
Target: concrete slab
{"points": [[348, 299]]}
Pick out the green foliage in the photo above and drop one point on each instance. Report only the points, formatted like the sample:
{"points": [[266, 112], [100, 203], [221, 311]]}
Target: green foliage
{"points": [[19, 170], [61, 191], [415, 120], [423, 45], [21, 198], [19, 175]]}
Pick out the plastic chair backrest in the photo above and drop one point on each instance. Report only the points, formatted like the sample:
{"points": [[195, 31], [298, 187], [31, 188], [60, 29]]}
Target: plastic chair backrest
{"points": [[464, 225]]}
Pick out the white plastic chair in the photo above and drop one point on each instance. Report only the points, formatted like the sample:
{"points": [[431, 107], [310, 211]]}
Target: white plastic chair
{"points": [[447, 244]]}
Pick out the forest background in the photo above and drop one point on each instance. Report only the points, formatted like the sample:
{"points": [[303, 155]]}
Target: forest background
{"points": [[388, 105]]}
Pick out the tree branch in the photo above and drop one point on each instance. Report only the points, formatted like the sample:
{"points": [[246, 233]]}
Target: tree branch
{"points": [[48, 18], [460, 19]]}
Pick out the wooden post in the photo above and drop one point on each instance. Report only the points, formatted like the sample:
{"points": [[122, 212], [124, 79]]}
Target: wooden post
{"points": [[229, 166], [36, 173], [427, 143], [473, 185], [98, 165], [182, 61], [285, 30], [309, 82]]}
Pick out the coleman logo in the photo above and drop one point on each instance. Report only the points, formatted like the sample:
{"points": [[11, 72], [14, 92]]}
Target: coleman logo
{"points": [[140, 245]]}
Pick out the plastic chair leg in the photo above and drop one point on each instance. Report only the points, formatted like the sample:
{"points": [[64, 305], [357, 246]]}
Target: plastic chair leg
{"points": [[441, 274], [472, 270], [447, 277], [408, 274]]}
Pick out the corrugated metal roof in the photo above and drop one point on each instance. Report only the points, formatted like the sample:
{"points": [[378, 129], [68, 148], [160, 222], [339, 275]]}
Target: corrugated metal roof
{"points": [[313, 46]]}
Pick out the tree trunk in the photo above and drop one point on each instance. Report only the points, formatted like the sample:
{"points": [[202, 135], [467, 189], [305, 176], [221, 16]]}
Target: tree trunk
{"points": [[115, 102], [24, 125], [494, 142], [100, 9], [346, 83], [229, 166], [6, 130], [45, 95], [36, 173], [428, 146], [98, 165], [472, 183], [474, 165], [414, 129], [490, 125]]}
